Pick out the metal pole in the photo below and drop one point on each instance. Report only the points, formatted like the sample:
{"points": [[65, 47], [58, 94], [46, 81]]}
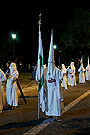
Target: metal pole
{"points": [[39, 82], [13, 50], [59, 61], [39, 22], [38, 105]]}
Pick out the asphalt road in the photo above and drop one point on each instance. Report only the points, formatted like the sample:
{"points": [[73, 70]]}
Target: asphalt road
{"points": [[75, 121], [24, 117]]}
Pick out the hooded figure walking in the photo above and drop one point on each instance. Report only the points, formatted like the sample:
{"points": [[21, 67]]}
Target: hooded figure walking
{"points": [[11, 86], [71, 79], [54, 93], [81, 71], [64, 81], [88, 71]]}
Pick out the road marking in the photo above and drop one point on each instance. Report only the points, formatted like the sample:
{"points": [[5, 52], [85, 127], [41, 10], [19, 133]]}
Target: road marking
{"points": [[45, 123], [70, 105], [38, 128]]}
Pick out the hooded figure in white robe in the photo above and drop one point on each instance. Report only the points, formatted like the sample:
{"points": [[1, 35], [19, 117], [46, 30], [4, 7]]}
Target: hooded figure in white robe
{"points": [[54, 93], [2, 78], [71, 79], [11, 87], [55, 96], [64, 81], [88, 71], [81, 71]]}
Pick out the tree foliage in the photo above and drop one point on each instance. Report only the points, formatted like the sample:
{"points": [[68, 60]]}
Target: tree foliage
{"points": [[6, 51], [71, 33], [75, 40]]}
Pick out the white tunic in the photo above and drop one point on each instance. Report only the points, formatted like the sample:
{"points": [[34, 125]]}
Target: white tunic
{"points": [[2, 78], [71, 79], [87, 73], [81, 75], [55, 96], [64, 81], [11, 89]]}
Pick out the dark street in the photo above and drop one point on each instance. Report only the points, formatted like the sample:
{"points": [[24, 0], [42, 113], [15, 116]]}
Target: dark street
{"points": [[24, 118]]}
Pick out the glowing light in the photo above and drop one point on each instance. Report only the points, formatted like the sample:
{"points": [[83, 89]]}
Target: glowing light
{"points": [[14, 36], [54, 46]]}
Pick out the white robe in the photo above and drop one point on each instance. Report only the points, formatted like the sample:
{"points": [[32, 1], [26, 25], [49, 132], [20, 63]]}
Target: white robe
{"points": [[55, 97], [87, 73], [11, 89], [2, 78], [64, 81], [71, 79], [81, 75]]}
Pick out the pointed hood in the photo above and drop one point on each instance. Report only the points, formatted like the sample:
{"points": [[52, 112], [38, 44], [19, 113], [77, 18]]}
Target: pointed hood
{"points": [[63, 66], [12, 68], [51, 62], [88, 61], [81, 61], [72, 65], [51, 50]]}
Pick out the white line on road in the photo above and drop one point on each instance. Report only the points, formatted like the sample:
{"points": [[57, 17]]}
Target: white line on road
{"points": [[70, 105], [45, 123]]}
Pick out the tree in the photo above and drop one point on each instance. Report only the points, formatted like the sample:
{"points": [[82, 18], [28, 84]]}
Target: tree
{"points": [[6, 51], [76, 37]]}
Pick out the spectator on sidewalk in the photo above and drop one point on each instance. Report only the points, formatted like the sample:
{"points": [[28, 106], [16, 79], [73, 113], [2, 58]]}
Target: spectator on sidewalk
{"points": [[2, 79], [34, 71]]}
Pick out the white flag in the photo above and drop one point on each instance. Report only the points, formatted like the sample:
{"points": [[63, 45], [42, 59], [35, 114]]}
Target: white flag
{"points": [[39, 74]]}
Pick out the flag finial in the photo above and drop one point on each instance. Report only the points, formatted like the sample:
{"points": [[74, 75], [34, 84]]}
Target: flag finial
{"points": [[39, 22]]}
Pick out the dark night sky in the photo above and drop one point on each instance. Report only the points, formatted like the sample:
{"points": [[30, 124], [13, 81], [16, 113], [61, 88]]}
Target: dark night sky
{"points": [[23, 18]]}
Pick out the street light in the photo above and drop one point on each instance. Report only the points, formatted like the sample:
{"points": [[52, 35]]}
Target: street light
{"points": [[54, 47], [14, 36]]}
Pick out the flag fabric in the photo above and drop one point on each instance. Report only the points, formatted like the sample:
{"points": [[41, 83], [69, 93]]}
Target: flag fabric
{"points": [[39, 74]]}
